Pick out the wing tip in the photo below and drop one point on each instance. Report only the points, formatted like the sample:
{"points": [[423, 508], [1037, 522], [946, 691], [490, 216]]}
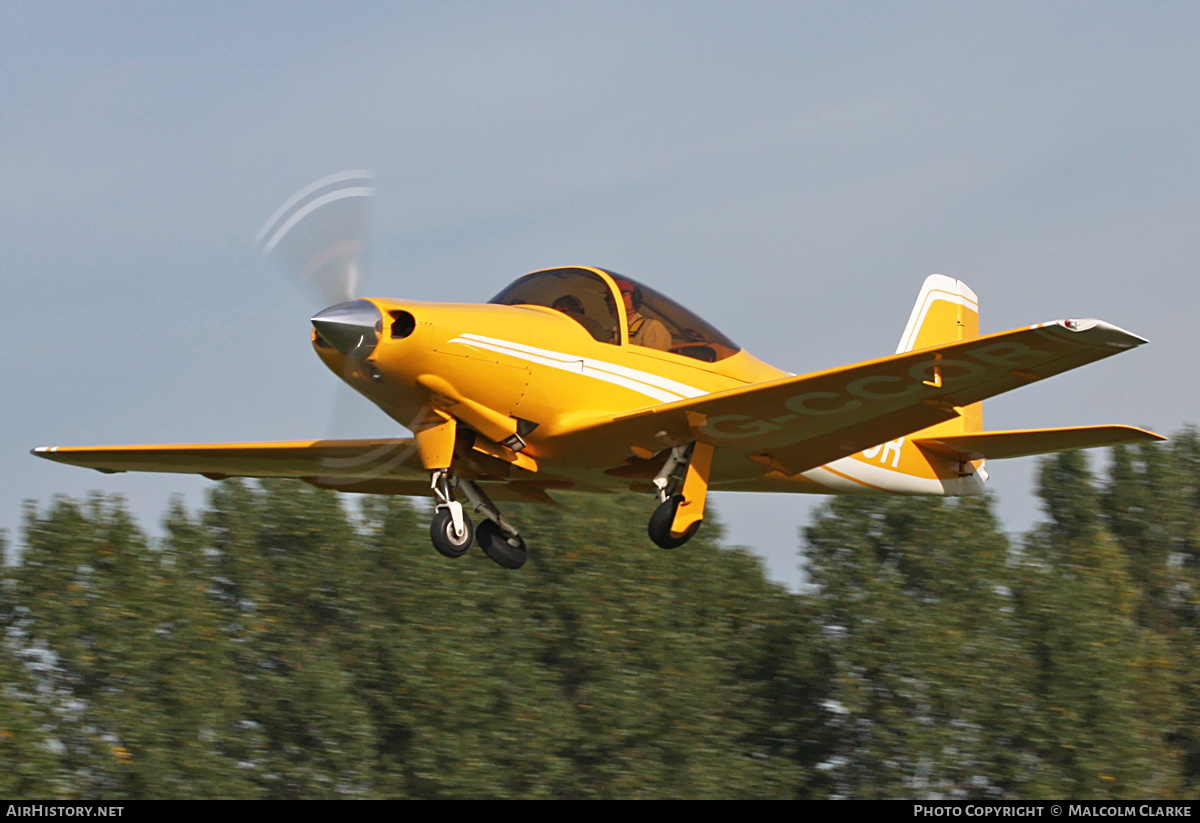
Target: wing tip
{"points": [[1138, 434], [1112, 336]]}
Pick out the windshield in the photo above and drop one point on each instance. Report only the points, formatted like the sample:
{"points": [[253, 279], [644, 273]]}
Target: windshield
{"points": [[580, 294]]}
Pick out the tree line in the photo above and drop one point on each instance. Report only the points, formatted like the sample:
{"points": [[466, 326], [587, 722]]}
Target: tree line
{"points": [[279, 644]]}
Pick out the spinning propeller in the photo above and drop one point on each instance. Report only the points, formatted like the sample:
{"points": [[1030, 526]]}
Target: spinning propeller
{"points": [[320, 233]]}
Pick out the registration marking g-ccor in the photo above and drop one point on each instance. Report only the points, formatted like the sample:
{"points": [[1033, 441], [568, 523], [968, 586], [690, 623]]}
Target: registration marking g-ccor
{"points": [[875, 387]]}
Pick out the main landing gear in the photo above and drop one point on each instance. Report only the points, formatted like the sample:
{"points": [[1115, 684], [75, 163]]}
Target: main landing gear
{"points": [[452, 531], [681, 488]]}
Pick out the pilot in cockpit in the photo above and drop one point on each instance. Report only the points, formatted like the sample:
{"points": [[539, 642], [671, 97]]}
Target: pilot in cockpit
{"points": [[569, 305], [643, 331]]}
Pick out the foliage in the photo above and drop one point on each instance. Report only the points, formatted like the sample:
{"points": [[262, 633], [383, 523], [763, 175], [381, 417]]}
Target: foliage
{"points": [[915, 605], [275, 646], [1102, 686]]}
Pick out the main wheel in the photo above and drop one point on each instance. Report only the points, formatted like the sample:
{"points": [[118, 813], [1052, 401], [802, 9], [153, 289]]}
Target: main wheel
{"points": [[441, 532], [494, 545], [660, 524]]}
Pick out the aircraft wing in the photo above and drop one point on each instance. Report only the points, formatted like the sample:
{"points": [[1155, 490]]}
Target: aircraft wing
{"points": [[798, 423], [381, 466]]}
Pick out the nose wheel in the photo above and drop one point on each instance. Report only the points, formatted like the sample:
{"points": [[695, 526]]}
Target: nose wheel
{"points": [[447, 539], [451, 531]]}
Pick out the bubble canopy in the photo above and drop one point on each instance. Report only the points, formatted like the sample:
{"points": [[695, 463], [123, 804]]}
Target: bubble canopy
{"points": [[590, 297]]}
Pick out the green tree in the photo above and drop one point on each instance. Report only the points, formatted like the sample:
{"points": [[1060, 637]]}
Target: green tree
{"points": [[1184, 597], [282, 563], [668, 657], [914, 601], [1152, 507], [27, 762], [1102, 683], [129, 674], [83, 591], [448, 665], [273, 646]]}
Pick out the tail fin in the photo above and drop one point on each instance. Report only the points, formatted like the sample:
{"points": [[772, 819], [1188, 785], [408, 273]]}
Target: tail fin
{"points": [[946, 311]]}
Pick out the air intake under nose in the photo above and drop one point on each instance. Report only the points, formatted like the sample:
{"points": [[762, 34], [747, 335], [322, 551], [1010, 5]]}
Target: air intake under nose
{"points": [[352, 328]]}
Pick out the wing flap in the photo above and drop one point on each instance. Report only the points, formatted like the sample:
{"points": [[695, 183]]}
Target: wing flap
{"points": [[999, 445]]}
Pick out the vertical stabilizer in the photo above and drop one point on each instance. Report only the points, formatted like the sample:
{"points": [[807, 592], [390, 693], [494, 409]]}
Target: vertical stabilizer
{"points": [[946, 311]]}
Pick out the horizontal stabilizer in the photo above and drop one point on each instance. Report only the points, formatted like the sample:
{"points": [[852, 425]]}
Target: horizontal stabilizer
{"points": [[1025, 442]]}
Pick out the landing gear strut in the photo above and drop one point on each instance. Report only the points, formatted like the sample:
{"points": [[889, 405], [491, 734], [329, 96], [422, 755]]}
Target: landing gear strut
{"points": [[438, 439], [682, 486]]}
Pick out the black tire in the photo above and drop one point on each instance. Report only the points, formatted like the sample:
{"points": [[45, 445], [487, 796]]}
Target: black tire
{"points": [[441, 532], [660, 524], [491, 540]]}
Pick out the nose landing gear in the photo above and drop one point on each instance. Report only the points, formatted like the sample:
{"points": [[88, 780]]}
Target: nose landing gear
{"points": [[682, 487], [452, 531]]}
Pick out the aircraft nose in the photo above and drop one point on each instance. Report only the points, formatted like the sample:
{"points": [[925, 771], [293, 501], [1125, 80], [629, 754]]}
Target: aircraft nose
{"points": [[352, 328]]}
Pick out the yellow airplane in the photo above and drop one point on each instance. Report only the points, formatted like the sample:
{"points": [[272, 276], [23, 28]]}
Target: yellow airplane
{"points": [[578, 379]]}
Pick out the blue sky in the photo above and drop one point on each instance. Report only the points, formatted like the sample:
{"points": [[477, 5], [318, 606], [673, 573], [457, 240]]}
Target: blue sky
{"points": [[790, 171]]}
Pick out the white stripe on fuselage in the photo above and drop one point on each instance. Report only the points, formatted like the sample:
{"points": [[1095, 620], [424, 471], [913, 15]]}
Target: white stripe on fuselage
{"points": [[652, 385], [849, 475]]}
